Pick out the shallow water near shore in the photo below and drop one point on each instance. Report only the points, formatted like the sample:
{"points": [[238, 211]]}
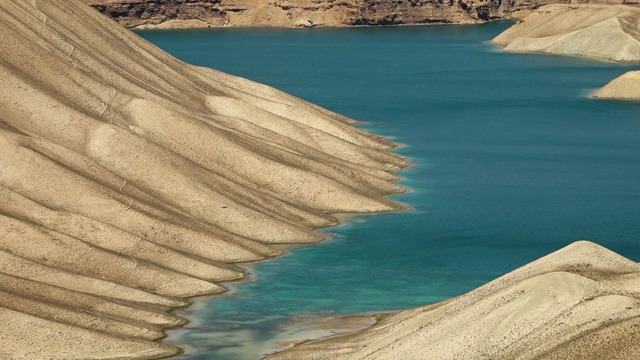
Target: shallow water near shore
{"points": [[511, 162]]}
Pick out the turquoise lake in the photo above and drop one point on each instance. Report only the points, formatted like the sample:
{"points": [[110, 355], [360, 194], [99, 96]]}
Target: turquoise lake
{"points": [[512, 161]]}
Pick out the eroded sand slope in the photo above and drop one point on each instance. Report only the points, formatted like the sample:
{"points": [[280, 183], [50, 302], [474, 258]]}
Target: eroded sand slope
{"points": [[130, 180], [581, 302]]}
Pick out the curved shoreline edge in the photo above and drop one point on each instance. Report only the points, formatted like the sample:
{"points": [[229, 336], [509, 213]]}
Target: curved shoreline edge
{"points": [[104, 174], [609, 32], [580, 302], [624, 87], [131, 181]]}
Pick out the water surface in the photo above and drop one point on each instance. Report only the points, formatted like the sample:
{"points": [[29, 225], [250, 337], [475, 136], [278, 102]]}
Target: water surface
{"points": [[512, 161]]}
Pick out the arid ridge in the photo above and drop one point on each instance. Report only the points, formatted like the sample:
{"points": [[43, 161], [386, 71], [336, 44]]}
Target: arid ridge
{"points": [[131, 181]]}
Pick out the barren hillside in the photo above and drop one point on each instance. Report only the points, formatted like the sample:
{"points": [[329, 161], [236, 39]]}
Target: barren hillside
{"points": [[130, 181]]}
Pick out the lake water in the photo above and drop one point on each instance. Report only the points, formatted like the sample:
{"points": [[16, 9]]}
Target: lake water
{"points": [[512, 161]]}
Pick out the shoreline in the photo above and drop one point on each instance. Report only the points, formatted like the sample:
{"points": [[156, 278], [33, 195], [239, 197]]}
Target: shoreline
{"points": [[581, 30], [150, 29], [343, 219], [579, 257], [99, 248], [122, 265], [323, 328], [340, 321], [572, 303]]}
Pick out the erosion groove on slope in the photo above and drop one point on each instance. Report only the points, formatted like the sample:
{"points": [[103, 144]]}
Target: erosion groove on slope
{"points": [[624, 87], [130, 180], [603, 31]]}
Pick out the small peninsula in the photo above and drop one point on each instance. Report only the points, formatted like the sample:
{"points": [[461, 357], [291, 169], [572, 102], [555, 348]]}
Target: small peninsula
{"points": [[602, 31], [610, 32], [624, 87]]}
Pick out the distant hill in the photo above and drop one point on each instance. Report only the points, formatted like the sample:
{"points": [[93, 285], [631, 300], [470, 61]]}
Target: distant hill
{"points": [[310, 13], [580, 302], [130, 180], [610, 32]]}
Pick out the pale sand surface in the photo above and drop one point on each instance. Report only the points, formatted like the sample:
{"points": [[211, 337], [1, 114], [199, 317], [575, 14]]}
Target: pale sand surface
{"points": [[609, 32], [130, 181], [581, 302], [625, 87], [602, 31]]}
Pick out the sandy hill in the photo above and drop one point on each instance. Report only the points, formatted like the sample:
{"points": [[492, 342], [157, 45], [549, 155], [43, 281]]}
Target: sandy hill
{"points": [[603, 31], [625, 87], [581, 302], [130, 180], [609, 32]]}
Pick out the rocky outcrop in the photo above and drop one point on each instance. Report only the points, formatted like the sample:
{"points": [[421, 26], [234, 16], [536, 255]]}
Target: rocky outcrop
{"points": [[130, 181], [581, 302], [310, 13]]}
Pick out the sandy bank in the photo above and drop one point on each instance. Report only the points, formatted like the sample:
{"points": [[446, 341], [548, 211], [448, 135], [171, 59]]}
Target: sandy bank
{"points": [[603, 31], [130, 180], [580, 302], [625, 87], [609, 32]]}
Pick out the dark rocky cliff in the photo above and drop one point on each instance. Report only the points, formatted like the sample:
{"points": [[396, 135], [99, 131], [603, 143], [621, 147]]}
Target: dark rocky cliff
{"points": [[308, 13]]}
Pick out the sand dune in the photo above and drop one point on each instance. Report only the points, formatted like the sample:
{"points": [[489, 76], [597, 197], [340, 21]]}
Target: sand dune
{"points": [[130, 180], [581, 302], [602, 31], [625, 87]]}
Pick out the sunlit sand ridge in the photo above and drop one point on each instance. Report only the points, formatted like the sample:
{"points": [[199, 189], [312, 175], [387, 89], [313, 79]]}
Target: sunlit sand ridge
{"points": [[130, 180], [602, 31], [609, 32], [624, 87], [581, 302]]}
